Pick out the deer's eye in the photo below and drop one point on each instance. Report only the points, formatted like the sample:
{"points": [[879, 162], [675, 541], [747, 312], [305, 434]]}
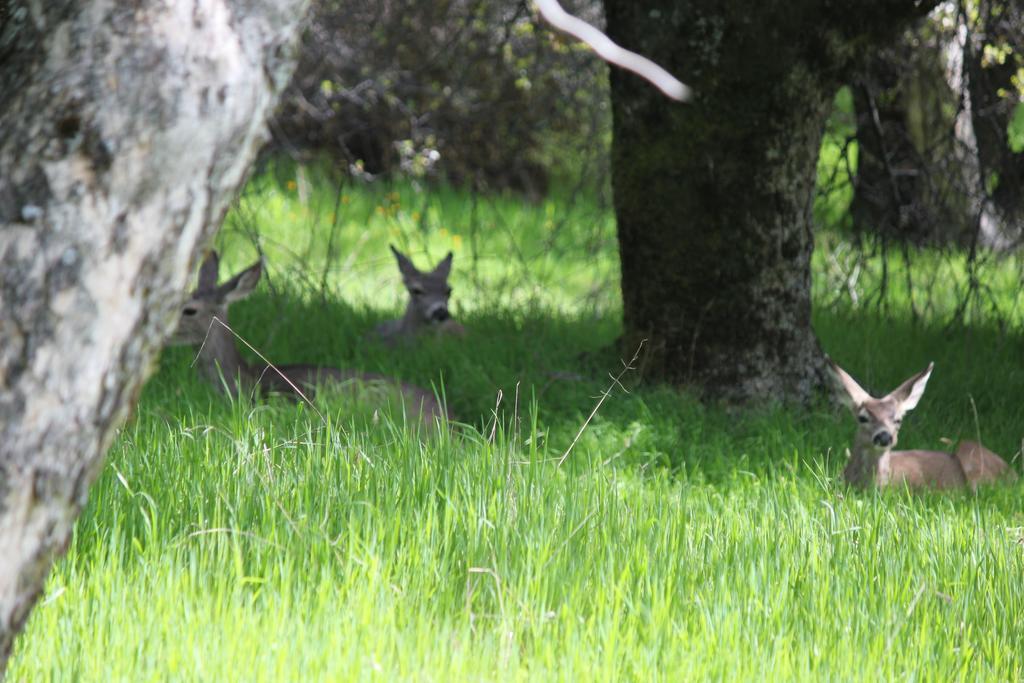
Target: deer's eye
{"points": [[415, 290], [863, 419], [188, 310], [448, 291]]}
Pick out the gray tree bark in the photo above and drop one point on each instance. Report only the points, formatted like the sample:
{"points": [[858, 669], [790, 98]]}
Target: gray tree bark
{"points": [[713, 198], [125, 130]]}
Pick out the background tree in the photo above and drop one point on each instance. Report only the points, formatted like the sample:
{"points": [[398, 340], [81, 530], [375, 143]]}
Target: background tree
{"points": [[124, 132], [713, 199], [474, 91], [933, 113]]}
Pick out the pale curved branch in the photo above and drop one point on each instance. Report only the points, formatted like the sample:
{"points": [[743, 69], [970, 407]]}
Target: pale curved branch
{"points": [[606, 48]]}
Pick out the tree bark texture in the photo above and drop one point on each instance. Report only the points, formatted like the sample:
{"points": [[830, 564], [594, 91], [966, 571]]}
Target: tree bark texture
{"points": [[125, 130], [714, 198]]}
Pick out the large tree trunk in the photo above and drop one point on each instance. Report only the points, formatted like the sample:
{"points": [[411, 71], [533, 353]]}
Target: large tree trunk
{"points": [[714, 198], [125, 130]]}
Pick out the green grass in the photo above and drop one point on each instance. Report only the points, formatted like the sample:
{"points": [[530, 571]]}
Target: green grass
{"points": [[678, 541]]}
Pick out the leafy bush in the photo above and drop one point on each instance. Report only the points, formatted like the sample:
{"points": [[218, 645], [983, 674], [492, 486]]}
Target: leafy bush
{"points": [[477, 92]]}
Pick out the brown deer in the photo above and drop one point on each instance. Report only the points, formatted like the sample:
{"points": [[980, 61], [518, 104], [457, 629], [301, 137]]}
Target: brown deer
{"points": [[428, 301], [221, 363], [873, 462]]}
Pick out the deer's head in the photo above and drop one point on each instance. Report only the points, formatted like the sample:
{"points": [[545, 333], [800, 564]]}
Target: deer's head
{"points": [[428, 291], [878, 419], [210, 300]]}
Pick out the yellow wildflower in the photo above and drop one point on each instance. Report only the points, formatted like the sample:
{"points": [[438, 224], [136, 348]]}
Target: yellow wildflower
{"points": [[457, 241], [291, 184]]}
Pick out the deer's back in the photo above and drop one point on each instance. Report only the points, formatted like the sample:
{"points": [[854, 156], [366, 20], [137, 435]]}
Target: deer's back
{"points": [[394, 332], [416, 397], [418, 401], [389, 332], [982, 466], [920, 469]]}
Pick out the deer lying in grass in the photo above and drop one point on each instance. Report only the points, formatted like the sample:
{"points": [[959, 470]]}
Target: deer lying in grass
{"points": [[221, 363], [428, 301], [872, 460]]}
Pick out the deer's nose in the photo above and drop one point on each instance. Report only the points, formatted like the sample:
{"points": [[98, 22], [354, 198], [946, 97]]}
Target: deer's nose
{"points": [[440, 314], [883, 439]]}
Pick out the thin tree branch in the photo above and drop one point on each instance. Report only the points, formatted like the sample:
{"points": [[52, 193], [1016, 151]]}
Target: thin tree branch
{"points": [[616, 381], [612, 53]]}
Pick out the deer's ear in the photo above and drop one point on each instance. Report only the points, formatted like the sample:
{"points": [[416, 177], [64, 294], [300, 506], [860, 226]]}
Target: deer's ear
{"points": [[241, 285], [208, 272], [908, 394], [445, 266], [849, 393], [405, 266]]}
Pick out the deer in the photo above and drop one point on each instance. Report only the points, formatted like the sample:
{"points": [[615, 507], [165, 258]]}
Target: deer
{"points": [[428, 302], [203, 324], [873, 462]]}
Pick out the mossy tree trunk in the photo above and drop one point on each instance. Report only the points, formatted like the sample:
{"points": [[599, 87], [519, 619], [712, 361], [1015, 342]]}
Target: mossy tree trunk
{"points": [[125, 131], [714, 198]]}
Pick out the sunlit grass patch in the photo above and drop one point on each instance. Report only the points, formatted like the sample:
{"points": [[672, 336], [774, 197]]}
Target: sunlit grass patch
{"points": [[264, 540]]}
